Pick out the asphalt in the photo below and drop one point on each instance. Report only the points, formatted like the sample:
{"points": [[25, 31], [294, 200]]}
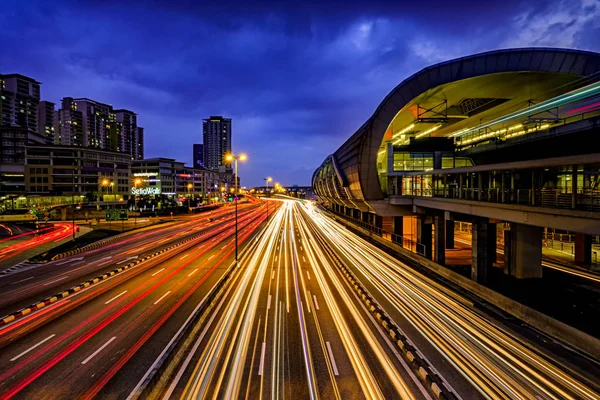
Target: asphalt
{"points": [[80, 351]]}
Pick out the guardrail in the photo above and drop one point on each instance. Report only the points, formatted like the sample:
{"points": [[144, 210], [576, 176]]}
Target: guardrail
{"points": [[153, 377], [424, 370], [409, 244]]}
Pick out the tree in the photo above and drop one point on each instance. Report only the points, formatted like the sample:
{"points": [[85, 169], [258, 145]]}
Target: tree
{"points": [[91, 196]]}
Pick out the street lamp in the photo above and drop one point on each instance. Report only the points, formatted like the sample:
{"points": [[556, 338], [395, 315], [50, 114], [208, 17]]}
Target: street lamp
{"points": [[189, 187], [136, 183], [235, 158], [268, 179]]}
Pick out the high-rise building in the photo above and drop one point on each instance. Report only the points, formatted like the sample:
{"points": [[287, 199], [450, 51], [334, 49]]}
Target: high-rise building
{"points": [[19, 99], [69, 124], [89, 123], [130, 138], [46, 114], [198, 155], [217, 141]]}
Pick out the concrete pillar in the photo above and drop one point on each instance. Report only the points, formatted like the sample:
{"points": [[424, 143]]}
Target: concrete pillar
{"points": [[424, 236], [508, 252], [526, 251], [449, 234], [583, 249], [483, 242], [398, 226], [440, 239]]}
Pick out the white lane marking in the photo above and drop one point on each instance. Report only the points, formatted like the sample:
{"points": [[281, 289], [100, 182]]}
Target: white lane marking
{"points": [[333, 364], [182, 257], [105, 258], [127, 259], [262, 359], [276, 258], [56, 280], [32, 347], [200, 246], [273, 275], [162, 297], [158, 272], [303, 259], [308, 273], [99, 350], [269, 303], [104, 263], [68, 261], [211, 257], [223, 247], [116, 297], [300, 248], [22, 280], [193, 272], [316, 302]]}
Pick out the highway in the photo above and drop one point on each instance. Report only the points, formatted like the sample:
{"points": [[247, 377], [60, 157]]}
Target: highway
{"points": [[17, 244], [73, 354], [289, 328], [497, 362], [288, 322]]}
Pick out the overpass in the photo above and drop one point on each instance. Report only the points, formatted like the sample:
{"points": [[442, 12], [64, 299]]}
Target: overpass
{"points": [[504, 137]]}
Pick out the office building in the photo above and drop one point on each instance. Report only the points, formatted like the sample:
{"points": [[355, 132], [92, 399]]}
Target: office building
{"points": [[217, 141], [198, 156], [55, 170], [46, 115], [166, 176], [19, 99]]}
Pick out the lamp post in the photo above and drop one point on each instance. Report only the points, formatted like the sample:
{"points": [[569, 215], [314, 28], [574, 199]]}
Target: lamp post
{"points": [[235, 158], [268, 179], [189, 187], [136, 182]]}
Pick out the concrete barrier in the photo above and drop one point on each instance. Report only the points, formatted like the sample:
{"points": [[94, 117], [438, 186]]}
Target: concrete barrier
{"points": [[36, 306], [424, 371], [549, 326]]}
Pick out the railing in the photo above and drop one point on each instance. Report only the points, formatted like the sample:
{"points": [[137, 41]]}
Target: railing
{"points": [[585, 200], [406, 243]]}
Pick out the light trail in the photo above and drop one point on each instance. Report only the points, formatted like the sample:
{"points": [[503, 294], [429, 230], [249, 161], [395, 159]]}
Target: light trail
{"points": [[496, 362]]}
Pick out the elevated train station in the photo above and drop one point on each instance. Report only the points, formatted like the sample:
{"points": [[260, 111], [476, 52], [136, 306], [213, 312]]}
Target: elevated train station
{"points": [[508, 138]]}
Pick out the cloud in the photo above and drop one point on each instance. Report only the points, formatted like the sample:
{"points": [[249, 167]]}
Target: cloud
{"points": [[557, 25], [298, 78]]}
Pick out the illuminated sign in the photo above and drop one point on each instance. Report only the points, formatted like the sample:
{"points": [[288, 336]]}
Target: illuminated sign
{"points": [[145, 174], [144, 191]]}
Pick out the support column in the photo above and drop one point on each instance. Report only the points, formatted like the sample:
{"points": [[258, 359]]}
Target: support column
{"points": [[509, 261], [449, 234], [424, 236], [526, 249], [482, 241], [583, 249], [440, 239]]}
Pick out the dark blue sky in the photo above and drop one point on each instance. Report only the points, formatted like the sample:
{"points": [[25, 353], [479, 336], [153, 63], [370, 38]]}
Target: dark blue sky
{"points": [[298, 78]]}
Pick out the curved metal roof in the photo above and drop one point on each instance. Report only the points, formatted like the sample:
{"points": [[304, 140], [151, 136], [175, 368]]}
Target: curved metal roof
{"points": [[357, 157]]}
